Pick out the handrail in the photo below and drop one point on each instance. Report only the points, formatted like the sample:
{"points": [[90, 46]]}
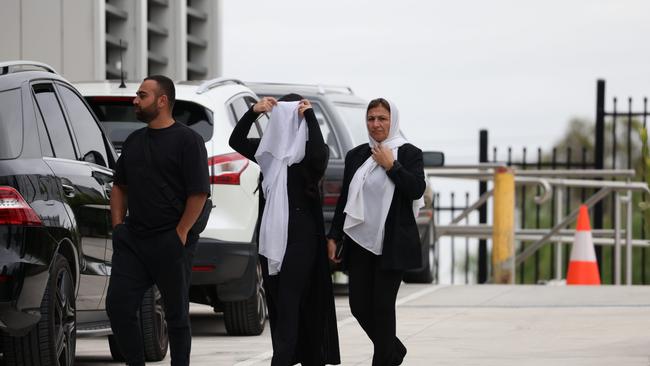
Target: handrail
{"points": [[546, 189], [548, 182], [486, 172], [605, 237]]}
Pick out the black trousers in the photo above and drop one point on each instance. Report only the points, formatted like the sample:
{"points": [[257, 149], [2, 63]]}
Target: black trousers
{"points": [[286, 290], [138, 264], [372, 295]]}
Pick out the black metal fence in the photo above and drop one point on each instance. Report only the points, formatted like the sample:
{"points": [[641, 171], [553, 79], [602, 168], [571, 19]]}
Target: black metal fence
{"points": [[616, 144], [451, 208]]}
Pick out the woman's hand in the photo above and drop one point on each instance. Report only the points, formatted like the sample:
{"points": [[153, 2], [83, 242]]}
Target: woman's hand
{"points": [[383, 156], [265, 105], [302, 107], [331, 251]]}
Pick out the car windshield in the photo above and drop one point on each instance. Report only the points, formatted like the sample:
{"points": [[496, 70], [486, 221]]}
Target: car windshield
{"points": [[354, 116], [117, 115]]}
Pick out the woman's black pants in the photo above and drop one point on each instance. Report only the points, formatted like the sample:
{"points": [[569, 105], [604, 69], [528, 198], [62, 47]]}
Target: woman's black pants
{"points": [[372, 295], [138, 264]]}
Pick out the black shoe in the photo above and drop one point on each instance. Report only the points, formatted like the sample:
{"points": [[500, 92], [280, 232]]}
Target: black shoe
{"points": [[400, 353]]}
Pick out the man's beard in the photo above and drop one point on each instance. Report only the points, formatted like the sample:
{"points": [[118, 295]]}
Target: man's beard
{"points": [[146, 115]]}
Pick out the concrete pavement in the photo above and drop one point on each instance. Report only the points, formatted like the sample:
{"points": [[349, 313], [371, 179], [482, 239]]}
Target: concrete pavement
{"points": [[462, 325]]}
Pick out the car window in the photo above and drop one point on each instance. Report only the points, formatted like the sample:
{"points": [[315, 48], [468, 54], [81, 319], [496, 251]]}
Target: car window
{"points": [[11, 124], [194, 116], [117, 116], [326, 130], [238, 107], [43, 135], [354, 119], [50, 109], [86, 130], [262, 120]]}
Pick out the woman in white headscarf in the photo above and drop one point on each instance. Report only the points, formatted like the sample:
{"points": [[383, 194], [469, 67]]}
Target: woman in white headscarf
{"points": [[293, 251], [383, 183]]}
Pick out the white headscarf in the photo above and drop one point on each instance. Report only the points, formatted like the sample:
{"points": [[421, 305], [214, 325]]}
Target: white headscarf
{"points": [[371, 192], [282, 145]]}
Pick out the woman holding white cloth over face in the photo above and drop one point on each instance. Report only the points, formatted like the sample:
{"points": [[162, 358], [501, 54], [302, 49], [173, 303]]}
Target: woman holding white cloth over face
{"points": [[293, 252], [383, 184]]}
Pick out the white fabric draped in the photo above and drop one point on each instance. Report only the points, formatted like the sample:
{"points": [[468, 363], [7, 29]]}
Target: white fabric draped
{"points": [[282, 145]]}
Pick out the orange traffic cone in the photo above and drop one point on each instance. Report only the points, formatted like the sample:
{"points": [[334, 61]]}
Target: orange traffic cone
{"points": [[583, 268]]}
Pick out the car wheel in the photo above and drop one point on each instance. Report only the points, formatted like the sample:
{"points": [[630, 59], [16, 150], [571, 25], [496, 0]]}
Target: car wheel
{"points": [[53, 340], [153, 326], [247, 317]]}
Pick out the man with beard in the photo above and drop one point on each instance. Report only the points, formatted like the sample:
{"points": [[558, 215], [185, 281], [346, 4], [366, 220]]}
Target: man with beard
{"points": [[162, 178]]}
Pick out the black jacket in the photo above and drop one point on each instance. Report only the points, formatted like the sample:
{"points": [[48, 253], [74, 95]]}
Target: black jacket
{"points": [[402, 248]]}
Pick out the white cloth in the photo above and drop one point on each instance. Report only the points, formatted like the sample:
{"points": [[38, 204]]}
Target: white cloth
{"points": [[282, 145], [371, 192]]}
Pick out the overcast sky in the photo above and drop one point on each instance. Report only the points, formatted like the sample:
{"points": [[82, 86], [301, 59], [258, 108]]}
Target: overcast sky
{"points": [[521, 69]]}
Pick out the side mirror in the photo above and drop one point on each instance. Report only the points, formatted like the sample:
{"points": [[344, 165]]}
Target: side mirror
{"points": [[433, 159], [95, 158]]}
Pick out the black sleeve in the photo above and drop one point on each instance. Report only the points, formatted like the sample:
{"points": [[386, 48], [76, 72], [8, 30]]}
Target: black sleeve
{"points": [[316, 152], [195, 166], [408, 175], [336, 229], [238, 139], [119, 177]]}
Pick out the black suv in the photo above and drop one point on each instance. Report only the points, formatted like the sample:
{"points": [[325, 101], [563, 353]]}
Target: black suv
{"points": [[340, 115], [55, 233]]}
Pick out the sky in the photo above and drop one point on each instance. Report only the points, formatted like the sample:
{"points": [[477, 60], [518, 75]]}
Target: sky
{"points": [[520, 69]]}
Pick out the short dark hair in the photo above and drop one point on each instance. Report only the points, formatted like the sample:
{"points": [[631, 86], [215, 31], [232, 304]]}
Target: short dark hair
{"points": [[291, 97], [378, 102], [166, 86]]}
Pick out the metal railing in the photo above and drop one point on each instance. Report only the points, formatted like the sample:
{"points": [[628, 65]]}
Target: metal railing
{"points": [[549, 182]]}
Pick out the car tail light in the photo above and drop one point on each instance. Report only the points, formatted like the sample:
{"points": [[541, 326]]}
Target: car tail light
{"points": [[5, 278], [331, 192], [227, 168], [14, 210], [208, 268]]}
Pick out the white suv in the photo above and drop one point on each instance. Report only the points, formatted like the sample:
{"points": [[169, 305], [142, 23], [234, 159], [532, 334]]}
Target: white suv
{"points": [[225, 273]]}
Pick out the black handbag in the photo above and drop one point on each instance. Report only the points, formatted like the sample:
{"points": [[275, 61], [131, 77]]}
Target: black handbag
{"points": [[202, 221]]}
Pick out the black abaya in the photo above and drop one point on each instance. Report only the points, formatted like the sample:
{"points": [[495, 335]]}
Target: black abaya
{"points": [[300, 298]]}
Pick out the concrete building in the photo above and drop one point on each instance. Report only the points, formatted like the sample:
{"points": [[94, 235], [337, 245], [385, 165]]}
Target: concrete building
{"points": [[86, 39]]}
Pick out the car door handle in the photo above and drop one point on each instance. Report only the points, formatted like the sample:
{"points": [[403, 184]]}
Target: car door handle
{"points": [[68, 190]]}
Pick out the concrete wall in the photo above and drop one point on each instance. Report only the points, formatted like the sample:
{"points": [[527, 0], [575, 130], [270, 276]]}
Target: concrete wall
{"points": [[70, 35], [60, 33]]}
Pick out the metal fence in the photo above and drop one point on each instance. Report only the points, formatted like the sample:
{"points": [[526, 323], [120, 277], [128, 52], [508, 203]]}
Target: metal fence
{"points": [[616, 147]]}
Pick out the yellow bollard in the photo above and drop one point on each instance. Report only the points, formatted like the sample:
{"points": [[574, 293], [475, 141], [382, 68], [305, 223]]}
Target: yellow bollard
{"points": [[503, 230]]}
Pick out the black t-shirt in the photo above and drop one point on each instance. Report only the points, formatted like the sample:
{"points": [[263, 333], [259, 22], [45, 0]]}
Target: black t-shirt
{"points": [[179, 156]]}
